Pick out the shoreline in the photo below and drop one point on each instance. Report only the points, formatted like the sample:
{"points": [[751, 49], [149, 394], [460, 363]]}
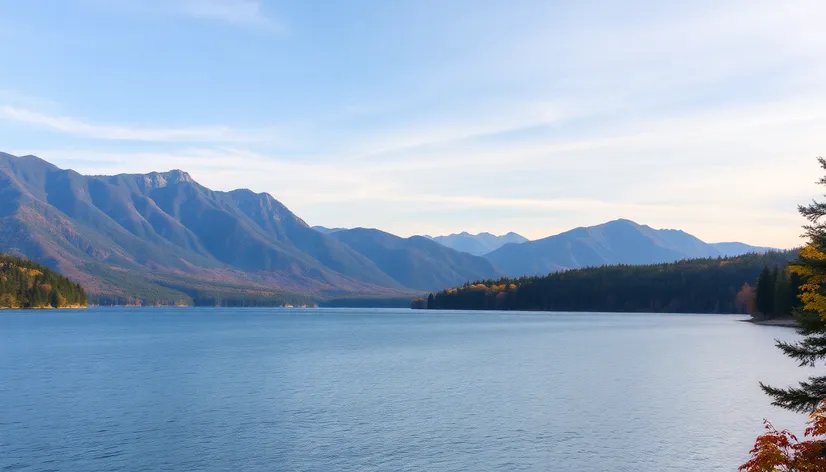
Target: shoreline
{"points": [[782, 322], [66, 307]]}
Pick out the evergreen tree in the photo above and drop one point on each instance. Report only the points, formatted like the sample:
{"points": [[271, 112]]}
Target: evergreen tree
{"points": [[54, 298], [25, 284], [714, 285], [431, 304], [782, 300], [764, 298], [811, 267]]}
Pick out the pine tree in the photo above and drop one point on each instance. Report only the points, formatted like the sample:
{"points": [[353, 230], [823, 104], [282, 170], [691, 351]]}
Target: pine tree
{"points": [[26, 284], [811, 267], [782, 301], [54, 298], [764, 298]]}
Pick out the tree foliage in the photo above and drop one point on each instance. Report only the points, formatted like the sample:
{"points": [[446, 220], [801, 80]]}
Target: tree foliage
{"points": [[745, 299], [25, 284], [781, 451], [693, 286], [810, 267], [764, 298], [777, 293]]}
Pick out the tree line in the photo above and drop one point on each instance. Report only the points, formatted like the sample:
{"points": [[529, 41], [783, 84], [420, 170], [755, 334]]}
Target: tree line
{"points": [[776, 294], [26, 284], [713, 285]]}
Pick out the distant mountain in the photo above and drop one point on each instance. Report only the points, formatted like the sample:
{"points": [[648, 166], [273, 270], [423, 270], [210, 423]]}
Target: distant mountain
{"points": [[162, 236], [477, 244], [615, 242], [417, 262], [738, 249], [325, 230]]}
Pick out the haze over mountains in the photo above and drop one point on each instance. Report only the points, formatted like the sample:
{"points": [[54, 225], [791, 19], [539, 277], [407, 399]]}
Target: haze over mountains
{"points": [[478, 244], [163, 237], [325, 230]]}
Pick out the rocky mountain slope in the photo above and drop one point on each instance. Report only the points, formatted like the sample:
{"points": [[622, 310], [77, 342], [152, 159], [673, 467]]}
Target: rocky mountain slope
{"points": [[163, 235]]}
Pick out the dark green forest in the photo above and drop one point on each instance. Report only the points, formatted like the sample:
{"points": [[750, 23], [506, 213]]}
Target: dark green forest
{"points": [[26, 284], [716, 285], [776, 294]]}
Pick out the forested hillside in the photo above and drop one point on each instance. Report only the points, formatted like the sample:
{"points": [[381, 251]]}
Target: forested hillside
{"points": [[709, 285], [25, 284]]}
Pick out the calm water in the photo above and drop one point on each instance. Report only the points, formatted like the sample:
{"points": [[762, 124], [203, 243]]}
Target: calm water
{"points": [[382, 390]]}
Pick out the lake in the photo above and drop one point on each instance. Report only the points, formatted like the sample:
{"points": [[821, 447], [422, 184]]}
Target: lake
{"points": [[383, 390]]}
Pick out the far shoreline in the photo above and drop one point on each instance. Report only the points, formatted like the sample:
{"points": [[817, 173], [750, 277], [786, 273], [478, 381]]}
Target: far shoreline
{"points": [[66, 307], [782, 322]]}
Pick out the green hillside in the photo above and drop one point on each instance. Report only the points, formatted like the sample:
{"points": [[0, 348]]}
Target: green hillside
{"points": [[26, 284]]}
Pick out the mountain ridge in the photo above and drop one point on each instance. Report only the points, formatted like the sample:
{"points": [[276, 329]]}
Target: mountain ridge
{"points": [[165, 223], [478, 244], [616, 242], [417, 262], [162, 237]]}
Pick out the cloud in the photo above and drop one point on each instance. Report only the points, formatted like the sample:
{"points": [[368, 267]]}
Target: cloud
{"points": [[80, 128], [237, 12], [473, 122], [704, 117], [725, 204]]}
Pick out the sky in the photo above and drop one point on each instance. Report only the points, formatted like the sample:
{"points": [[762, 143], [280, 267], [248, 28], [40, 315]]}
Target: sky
{"points": [[439, 116]]}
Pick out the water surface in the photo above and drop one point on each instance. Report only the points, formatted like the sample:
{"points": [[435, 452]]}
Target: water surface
{"points": [[382, 390]]}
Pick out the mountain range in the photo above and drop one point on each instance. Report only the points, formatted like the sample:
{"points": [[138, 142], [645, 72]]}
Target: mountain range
{"points": [[478, 244], [417, 262], [616, 242], [162, 237]]}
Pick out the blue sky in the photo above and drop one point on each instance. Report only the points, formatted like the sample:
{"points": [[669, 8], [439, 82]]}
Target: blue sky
{"points": [[438, 116]]}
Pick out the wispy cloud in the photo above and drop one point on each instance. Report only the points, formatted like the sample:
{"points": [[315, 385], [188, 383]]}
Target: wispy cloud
{"points": [[472, 123], [236, 12], [81, 128], [702, 116], [734, 202], [240, 13]]}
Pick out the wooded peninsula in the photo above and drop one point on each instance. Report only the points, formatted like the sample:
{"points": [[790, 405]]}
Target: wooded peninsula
{"points": [[26, 284]]}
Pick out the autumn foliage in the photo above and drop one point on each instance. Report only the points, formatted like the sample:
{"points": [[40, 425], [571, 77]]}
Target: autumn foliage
{"points": [[745, 299], [25, 284], [810, 267], [781, 451]]}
